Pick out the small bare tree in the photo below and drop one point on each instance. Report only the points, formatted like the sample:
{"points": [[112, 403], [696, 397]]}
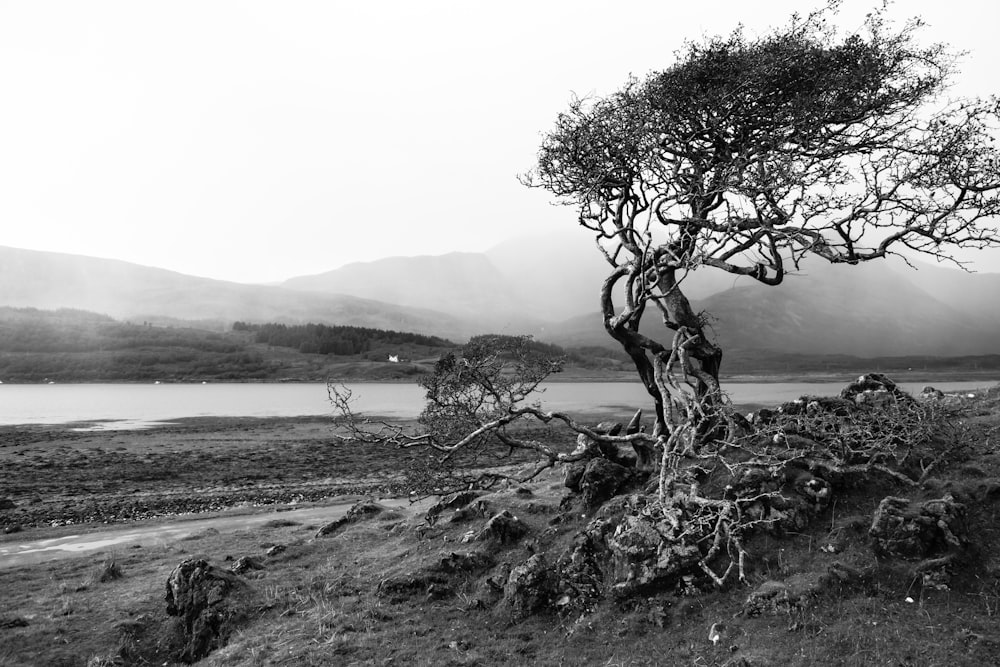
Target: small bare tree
{"points": [[480, 405]]}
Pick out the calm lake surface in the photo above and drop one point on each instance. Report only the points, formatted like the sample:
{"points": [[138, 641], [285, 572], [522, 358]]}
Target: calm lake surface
{"points": [[136, 405]]}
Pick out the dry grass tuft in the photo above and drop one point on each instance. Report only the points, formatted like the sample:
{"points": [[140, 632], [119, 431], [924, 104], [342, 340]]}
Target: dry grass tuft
{"points": [[110, 570]]}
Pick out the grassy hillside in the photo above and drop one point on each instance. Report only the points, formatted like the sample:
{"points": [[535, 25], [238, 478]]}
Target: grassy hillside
{"points": [[79, 346]]}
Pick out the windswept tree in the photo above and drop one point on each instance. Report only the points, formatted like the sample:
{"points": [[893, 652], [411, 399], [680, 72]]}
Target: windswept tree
{"points": [[750, 154]]}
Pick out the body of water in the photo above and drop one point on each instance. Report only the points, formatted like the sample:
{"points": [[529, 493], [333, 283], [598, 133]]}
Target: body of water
{"points": [[135, 405]]}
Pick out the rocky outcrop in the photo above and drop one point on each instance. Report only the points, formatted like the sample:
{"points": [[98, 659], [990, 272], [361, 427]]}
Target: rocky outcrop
{"points": [[528, 588], [426, 581], [477, 509], [776, 480], [504, 528], [436, 580], [580, 571], [363, 510], [646, 550], [245, 564], [874, 390], [572, 474], [601, 480], [453, 502], [207, 602]]}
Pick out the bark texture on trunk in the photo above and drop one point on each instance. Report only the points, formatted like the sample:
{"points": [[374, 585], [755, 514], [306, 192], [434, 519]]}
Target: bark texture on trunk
{"points": [[706, 354]]}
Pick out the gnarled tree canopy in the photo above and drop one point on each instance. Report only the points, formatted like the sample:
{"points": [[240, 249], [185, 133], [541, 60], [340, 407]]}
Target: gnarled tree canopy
{"points": [[749, 154]]}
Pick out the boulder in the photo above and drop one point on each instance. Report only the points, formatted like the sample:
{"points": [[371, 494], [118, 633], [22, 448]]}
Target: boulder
{"points": [[360, 511], [763, 417], [630, 457], [426, 581], [837, 406], [601, 480], [587, 448], [528, 588], [905, 529], [453, 501], [478, 509], [504, 528], [7, 504], [244, 564], [875, 390], [608, 428], [436, 580], [929, 393], [206, 601], [645, 552], [580, 570], [573, 475]]}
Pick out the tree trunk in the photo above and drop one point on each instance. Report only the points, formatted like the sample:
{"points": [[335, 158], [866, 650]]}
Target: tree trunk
{"points": [[627, 335], [706, 354]]}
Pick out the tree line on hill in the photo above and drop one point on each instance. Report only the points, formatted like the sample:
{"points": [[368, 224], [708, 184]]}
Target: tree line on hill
{"points": [[68, 330], [68, 345], [334, 339]]}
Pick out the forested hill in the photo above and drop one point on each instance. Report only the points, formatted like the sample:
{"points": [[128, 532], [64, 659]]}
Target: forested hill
{"points": [[79, 346], [341, 340], [68, 330]]}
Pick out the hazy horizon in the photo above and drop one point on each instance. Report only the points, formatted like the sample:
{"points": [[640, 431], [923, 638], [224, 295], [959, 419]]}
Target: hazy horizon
{"points": [[252, 142]]}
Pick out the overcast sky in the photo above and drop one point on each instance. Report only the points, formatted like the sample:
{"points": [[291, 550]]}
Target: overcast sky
{"points": [[255, 141]]}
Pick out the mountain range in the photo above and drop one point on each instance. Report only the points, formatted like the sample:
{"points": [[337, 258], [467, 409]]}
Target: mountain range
{"points": [[547, 287], [126, 291]]}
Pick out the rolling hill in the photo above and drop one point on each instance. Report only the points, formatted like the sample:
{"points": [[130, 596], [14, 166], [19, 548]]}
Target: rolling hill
{"points": [[465, 285], [128, 291], [518, 285], [540, 288], [876, 309]]}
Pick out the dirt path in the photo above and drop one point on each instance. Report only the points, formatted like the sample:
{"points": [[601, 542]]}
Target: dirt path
{"points": [[32, 552]]}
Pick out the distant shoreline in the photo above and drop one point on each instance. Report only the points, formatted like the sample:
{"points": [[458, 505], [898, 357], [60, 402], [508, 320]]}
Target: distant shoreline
{"points": [[741, 378]]}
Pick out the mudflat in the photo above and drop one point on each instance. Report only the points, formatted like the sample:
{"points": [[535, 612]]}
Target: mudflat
{"points": [[57, 475]]}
